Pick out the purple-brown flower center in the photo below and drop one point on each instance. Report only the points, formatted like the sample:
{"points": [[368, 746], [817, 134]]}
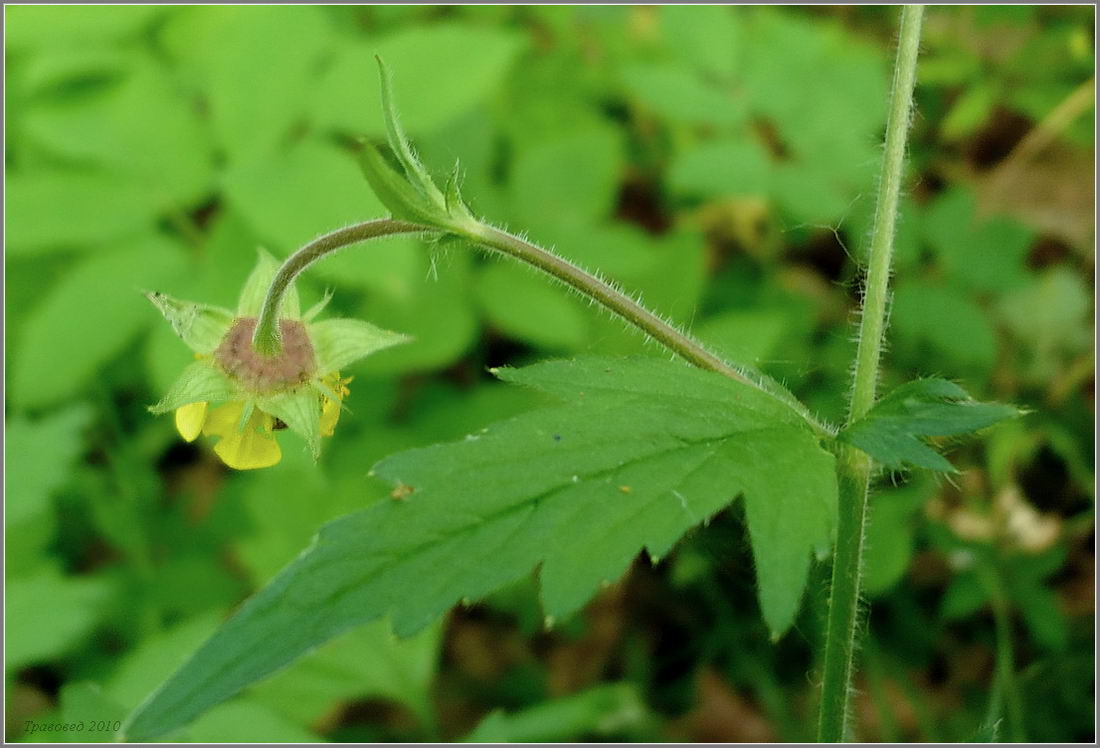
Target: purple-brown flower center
{"points": [[259, 373]]}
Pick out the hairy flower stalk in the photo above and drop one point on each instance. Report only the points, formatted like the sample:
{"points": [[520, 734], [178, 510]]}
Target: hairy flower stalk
{"points": [[854, 465], [419, 207]]}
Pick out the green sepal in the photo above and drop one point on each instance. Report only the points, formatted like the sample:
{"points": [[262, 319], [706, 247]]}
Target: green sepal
{"points": [[317, 308], [402, 199], [894, 430], [340, 342], [399, 142], [201, 326], [409, 192], [451, 193], [199, 382], [300, 410], [255, 290]]}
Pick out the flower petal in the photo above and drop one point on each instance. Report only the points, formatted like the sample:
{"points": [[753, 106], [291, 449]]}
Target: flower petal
{"points": [[223, 420], [330, 415], [249, 448], [189, 420]]}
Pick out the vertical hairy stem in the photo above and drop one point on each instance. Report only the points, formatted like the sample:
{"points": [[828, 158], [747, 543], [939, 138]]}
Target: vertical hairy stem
{"points": [[855, 467]]}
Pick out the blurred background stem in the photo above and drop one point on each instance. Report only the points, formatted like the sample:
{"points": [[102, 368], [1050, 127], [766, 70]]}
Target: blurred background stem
{"points": [[1005, 697]]}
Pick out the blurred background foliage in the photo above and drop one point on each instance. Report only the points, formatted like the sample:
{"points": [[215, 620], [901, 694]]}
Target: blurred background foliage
{"points": [[718, 161]]}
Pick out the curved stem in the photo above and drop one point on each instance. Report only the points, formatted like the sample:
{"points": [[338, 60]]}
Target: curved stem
{"points": [[680, 343], [854, 467], [266, 337]]}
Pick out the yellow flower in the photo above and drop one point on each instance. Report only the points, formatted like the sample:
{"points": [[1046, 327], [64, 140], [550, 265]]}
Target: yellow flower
{"points": [[330, 409], [241, 397]]}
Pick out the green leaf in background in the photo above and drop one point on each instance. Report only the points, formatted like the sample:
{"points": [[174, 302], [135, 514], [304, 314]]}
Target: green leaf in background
{"points": [[676, 93], [823, 96], [744, 336], [942, 329], [255, 66], [366, 662], [63, 26], [907, 236], [645, 450], [442, 72], [1050, 315], [568, 182], [47, 450], [141, 128], [891, 528], [50, 210], [722, 168], [56, 611], [88, 317], [983, 253], [244, 721], [434, 309], [84, 703], [895, 429], [970, 111], [707, 36], [526, 306], [600, 711], [294, 197]]}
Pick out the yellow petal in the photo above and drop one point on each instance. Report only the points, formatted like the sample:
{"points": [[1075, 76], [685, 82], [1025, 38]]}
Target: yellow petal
{"points": [[252, 447], [330, 414], [189, 420], [224, 419], [330, 409]]}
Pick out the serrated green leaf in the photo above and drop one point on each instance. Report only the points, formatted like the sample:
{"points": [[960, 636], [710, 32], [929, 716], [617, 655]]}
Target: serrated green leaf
{"points": [[338, 343], [199, 382], [256, 286], [201, 326], [893, 431], [643, 450]]}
